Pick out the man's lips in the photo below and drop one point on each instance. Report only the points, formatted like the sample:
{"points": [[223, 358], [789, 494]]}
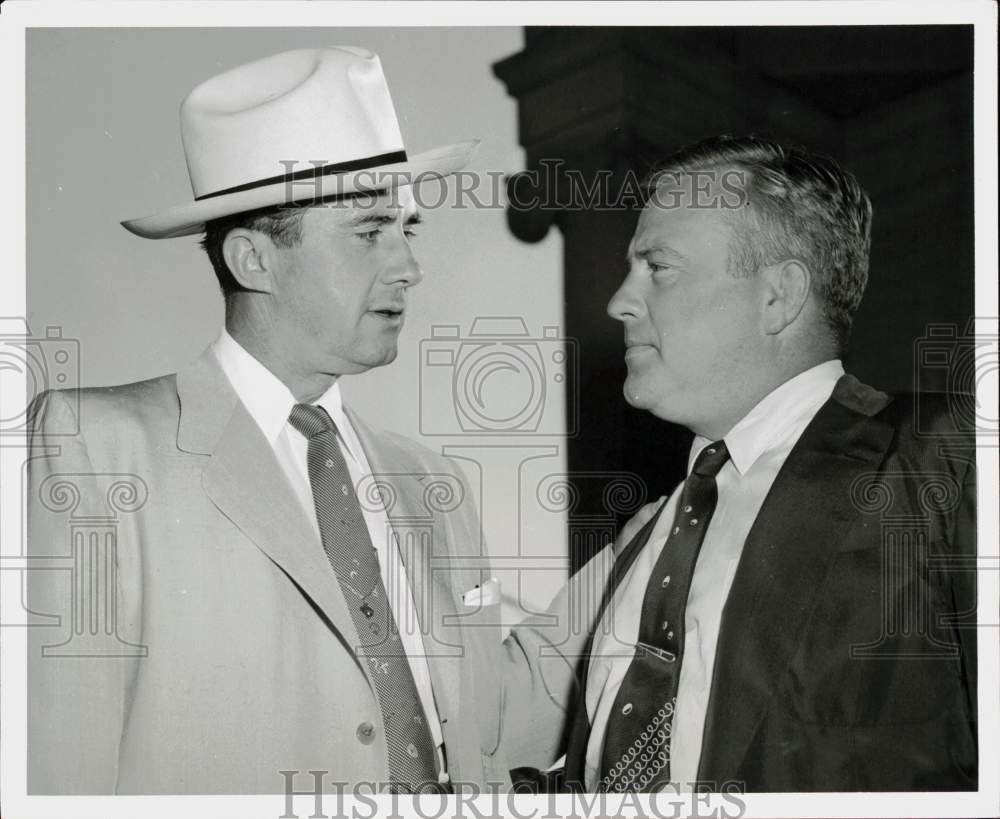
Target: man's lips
{"points": [[637, 350], [393, 312]]}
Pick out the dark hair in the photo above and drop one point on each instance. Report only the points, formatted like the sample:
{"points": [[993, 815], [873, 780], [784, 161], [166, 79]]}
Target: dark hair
{"points": [[283, 224], [798, 204]]}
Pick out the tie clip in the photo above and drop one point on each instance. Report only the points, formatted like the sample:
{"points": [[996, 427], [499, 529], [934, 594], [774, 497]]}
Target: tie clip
{"points": [[646, 648]]}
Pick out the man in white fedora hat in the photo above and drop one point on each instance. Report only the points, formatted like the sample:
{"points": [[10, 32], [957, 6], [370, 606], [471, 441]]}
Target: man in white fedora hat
{"points": [[281, 610]]}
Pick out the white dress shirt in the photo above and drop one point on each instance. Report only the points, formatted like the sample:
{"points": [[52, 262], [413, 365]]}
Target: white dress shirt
{"points": [[758, 446], [270, 403]]}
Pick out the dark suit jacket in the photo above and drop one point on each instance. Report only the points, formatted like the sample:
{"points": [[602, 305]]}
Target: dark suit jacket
{"points": [[846, 658]]}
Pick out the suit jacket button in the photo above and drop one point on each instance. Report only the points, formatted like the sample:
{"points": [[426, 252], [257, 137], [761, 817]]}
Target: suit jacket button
{"points": [[366, 733]]}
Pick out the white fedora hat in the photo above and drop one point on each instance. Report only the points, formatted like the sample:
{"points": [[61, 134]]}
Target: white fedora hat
{"points": [[295, 126]]}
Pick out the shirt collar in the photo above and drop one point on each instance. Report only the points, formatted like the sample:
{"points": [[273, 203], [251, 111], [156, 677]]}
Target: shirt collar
{"points": [[265, 396], [779, 417]]}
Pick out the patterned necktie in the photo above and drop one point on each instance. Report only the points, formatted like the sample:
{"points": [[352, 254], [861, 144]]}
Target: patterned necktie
{"points": [[637, 744], [410, 748]]}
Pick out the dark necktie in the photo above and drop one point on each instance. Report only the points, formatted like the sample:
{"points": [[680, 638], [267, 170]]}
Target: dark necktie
{"points": [[637, 743], [410, 748]]}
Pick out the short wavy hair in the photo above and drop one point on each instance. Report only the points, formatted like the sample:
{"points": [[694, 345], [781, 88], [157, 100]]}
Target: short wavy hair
{"points": [[798, 204]]}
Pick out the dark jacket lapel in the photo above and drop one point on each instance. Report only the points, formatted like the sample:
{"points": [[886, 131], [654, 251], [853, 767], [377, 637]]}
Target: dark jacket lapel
{"points": [[806, 514]]}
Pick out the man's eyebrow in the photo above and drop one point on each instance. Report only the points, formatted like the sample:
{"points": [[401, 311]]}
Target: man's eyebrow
{"points": [[377, 219], [646, 252], [380, 219]]}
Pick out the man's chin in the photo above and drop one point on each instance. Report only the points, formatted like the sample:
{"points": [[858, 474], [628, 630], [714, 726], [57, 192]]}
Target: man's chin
{"points": [[652, 398], [634, 393], [383, 358], [361, 364]]}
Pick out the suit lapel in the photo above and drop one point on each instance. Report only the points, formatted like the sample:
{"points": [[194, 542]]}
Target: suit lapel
{"points": [[785, 558], [245, 481]]}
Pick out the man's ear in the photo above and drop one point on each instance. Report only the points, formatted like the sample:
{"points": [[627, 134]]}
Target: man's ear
{"points": [[244, 252], [786, 291]]}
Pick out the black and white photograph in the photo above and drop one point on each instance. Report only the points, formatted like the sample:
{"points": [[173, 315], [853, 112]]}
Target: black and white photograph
{"points": [[499, 409]]}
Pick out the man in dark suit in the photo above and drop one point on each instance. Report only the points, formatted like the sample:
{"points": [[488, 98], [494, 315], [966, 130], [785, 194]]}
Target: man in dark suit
{"points": [[795, 616]]}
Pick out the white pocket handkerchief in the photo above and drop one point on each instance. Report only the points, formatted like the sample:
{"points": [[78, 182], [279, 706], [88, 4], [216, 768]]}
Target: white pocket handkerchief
{"points": [[487, 594]]}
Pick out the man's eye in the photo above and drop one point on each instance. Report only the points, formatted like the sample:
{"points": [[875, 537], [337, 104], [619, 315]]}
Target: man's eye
{"points": [[410, 231], [658, 268], [370, 235]]}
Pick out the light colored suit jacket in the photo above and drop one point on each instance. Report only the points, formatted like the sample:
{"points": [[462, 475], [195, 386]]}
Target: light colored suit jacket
{"points": [[197, 641]]}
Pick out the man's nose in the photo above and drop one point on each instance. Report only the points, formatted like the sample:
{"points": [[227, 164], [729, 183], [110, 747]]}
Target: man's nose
{"points": [[625, 303], [405, 269]]}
